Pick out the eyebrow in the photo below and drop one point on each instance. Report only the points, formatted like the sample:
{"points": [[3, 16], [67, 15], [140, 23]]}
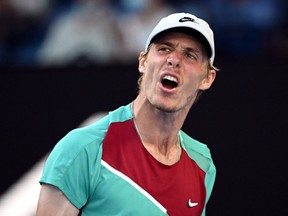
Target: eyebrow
{"points": [[187, 49], [159, 43], [192, 49]]}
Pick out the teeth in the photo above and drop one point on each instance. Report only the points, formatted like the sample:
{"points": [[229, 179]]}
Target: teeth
{"points": [[170, 78]]}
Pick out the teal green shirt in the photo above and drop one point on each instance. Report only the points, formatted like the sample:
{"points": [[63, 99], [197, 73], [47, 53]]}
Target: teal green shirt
{"points": [[103, 170]]}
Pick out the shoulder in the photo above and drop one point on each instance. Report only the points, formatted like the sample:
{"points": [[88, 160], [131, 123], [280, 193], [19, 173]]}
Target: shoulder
{"points": [[79, 152], [197, 151], [91, 136]]}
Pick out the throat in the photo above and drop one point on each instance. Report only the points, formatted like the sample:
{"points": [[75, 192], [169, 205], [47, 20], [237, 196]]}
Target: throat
{"points": [[166, 157], [167, 153]]}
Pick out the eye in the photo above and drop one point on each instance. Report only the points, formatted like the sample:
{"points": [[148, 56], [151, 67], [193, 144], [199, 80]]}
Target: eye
{"points": [[164, 49], [191, 56]]}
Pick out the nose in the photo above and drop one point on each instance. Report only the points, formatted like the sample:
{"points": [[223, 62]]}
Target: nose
{"points": [[174, 60]]}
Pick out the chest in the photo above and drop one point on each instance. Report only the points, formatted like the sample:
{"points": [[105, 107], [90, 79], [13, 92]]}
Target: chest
{"points": [[178, 189]]}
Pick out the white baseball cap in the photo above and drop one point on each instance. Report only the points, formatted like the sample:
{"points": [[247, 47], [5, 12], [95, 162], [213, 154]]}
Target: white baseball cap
{"points": [[186, 21]]}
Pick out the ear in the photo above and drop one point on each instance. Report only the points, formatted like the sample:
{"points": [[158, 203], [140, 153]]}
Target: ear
{"points": [[208, 80], [141, 62]]}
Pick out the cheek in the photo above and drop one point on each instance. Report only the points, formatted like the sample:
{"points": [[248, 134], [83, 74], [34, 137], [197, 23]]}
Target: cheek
{"points": [[150, 71], [199, 78], [194, 81], [148, 78]]}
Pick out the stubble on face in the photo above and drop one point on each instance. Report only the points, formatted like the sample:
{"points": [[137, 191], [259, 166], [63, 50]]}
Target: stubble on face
{"points": [[154, 64], [160, 101]]}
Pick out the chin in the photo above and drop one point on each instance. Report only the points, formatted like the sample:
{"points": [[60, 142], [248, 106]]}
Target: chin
{"points": [[167, 108]]}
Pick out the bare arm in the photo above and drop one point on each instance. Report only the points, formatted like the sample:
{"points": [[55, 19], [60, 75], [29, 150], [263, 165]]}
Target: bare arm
{"points": [[52, 202]]}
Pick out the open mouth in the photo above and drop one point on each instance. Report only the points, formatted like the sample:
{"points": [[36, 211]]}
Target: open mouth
{"points": [[169, 82]]}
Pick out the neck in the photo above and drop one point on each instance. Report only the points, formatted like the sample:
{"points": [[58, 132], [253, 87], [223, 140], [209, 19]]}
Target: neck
{"points": [[166, 153], [158, 132], [154, 120]]}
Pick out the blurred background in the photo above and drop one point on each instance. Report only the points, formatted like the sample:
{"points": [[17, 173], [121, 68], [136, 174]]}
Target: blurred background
{"points": [[65, 62], [84, 32]]}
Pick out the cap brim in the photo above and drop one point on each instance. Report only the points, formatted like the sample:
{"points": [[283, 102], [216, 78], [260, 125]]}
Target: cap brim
{"points": [[189, 31]]}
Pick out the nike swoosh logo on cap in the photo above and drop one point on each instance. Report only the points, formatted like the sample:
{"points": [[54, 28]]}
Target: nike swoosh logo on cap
{"points": [[187, 19], [191, 204]]}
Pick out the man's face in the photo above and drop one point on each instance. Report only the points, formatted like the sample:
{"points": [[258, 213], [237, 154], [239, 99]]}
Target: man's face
{"points": [[174, 70]]}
